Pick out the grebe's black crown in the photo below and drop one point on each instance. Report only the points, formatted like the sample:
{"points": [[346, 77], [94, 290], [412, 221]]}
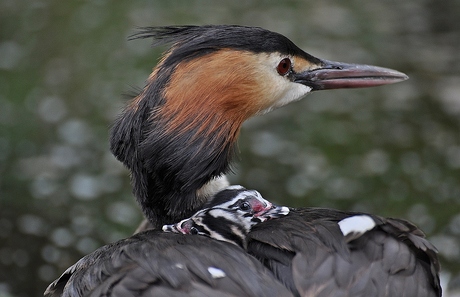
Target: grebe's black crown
{"points": [[193, 41]]}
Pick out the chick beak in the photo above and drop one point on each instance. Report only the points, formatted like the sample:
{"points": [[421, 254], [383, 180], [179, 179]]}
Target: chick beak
{"points": [[262, 209], [273, 212], [170, 228], [337, 75], [175, 228]]}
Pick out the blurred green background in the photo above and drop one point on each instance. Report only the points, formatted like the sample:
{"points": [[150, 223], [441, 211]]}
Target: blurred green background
{"points": [[65, 65]]}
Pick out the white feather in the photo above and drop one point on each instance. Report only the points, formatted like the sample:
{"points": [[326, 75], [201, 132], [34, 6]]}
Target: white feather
{"points": [[359, 224], [216, 272]]}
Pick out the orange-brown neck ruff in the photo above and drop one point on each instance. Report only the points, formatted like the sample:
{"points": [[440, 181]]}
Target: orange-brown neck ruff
{"points": [[205, 102], [212, 95], [180, 132]]}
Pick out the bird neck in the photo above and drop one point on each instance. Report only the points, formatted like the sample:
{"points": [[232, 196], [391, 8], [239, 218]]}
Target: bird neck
{"points": [[176, 136]]}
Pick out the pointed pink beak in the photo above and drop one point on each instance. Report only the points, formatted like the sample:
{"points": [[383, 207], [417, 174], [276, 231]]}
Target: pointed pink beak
{"points": [[337, 75]]}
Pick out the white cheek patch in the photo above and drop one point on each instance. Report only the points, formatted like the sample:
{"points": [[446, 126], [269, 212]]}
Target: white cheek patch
{"points": [[279, 90], [359, 225], [216, 272]]}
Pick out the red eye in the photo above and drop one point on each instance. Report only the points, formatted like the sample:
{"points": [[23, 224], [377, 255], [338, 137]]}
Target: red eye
{"points": [[284, 66]]}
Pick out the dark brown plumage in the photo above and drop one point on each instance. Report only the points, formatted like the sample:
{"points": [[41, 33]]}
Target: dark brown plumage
{"points": [[308, 252], [155, 263]]}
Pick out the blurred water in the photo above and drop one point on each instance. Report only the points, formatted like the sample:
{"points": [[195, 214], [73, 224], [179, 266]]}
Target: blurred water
{"points": [[393, 151]]}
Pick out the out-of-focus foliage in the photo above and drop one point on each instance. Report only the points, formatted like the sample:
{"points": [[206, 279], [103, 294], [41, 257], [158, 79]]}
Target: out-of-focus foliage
{"points": [[64, 65]]}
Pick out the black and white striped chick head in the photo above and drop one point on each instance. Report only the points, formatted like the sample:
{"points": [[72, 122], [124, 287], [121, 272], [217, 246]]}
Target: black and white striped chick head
{"points": [[229, 216]]}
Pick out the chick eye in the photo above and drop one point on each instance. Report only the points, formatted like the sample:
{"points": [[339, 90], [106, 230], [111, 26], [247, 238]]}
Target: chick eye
{"points": [[193, 231], [245, 206], [284, 66]]}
